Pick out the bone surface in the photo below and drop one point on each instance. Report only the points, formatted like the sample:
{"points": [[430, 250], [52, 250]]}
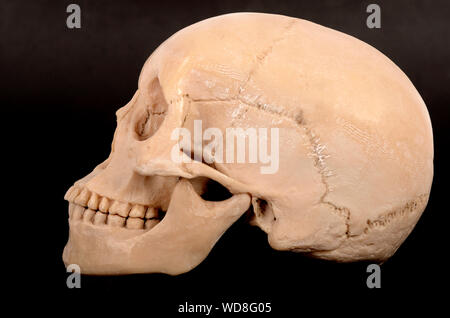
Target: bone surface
{"points": [[355, 161]]}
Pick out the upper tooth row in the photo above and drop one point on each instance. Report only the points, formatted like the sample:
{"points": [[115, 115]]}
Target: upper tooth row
{"points": [[93, 201]]}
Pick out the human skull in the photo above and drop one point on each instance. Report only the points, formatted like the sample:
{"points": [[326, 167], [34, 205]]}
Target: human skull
{"points": [[355, 162]]}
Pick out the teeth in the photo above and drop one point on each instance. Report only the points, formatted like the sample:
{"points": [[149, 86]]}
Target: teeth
{"points": [[115, 220], [88, 215], [114, 207], [119, 208], [104, 205], [149, 224], [68, 193], [83, 197], [91, 207], [99, 218], [71, 208], [78, 212], [72, 193], [135, 223], [93, 202], [137, 211], [151, 213], [124, 209]]}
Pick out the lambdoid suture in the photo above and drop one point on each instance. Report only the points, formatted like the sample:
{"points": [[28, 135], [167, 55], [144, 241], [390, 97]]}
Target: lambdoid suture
{"points": [[355, 161]]}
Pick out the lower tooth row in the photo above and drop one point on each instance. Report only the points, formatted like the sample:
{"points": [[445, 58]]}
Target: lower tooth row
{"points": [[77, 212]]}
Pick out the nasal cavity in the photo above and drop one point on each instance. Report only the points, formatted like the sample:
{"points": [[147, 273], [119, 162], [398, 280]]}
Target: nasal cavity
{"points": [[153, 114]]}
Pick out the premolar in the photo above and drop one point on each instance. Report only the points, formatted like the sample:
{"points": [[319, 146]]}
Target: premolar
{"points": [[104, 205], [88, 215], [119, 208], [99, 218], [93, 202]]}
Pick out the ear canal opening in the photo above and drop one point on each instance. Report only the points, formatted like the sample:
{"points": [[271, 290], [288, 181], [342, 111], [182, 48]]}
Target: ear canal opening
{"points": [[154, 113], [263, 214], [262, 208]]}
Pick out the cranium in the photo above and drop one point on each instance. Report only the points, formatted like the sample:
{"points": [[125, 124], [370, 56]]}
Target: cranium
{"points": [[355, 141]]}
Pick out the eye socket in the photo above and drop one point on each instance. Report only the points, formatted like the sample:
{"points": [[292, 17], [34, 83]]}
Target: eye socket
{"points": [[153, 114], [149, 123]]}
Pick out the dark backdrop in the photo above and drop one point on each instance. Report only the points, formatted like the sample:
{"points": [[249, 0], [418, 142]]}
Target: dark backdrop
{"points": [[61, 88]]}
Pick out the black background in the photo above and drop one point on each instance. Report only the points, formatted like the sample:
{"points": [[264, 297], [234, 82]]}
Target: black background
{"points": [[60, 90]]}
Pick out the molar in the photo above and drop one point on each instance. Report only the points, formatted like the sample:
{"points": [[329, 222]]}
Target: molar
{"points": [[137, 211], [115, 221], [151, 213], [149, 224], [135, 223]]}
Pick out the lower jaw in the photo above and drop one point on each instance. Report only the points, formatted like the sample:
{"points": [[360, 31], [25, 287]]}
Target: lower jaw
{"points": [[178, 243], [105, 250], [98, 250], [101, 243]]}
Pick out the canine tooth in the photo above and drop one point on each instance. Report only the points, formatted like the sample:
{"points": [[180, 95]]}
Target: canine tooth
{"points": [[120, 208], [151, 213], [83, 197], [135, 223], [115, 220], [99, 218], [73, 194], [137, 211], [93, 202], [88, 215], [104, 205], [78, 212], [149, 224]]}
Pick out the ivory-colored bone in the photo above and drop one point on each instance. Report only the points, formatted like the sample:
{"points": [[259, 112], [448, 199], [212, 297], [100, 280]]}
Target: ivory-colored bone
{"points": [[175, 245], [355, 162]]}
